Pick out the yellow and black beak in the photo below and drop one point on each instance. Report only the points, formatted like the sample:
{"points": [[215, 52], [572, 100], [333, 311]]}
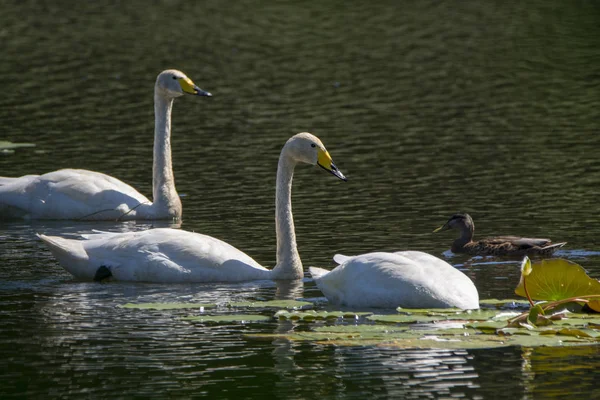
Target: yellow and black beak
{"points": [[188, 87], [324, 161]]}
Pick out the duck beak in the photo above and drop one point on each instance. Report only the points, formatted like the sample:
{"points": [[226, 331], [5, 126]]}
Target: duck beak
{"points": [[189, 87], [441, 228], [324, 161]]}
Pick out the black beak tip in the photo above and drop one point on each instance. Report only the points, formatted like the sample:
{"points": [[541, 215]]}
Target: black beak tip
{"points": [[200, 92]]}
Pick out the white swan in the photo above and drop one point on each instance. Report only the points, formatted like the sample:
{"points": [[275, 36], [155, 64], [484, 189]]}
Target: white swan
{"points": [[89, 195], [408, 279], [172, 255]]}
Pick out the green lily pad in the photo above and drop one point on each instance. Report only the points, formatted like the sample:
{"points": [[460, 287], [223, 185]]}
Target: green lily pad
{"points": [[227, 318], [5, 145], [511, 303], [406, 319], [362, 328], [430, 311], [487, 325], [557, 279], [290, 304], [516, 331], [478, 315], [311, 315], [571, 331], [165, 306]]}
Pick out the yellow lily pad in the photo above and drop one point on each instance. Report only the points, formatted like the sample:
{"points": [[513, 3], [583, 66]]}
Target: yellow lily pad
{"points": [[558, 279]]}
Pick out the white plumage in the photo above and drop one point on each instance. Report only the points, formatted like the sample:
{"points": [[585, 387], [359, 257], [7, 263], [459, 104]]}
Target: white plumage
{"points": [[172, 255], [89, 195], [408, 279]]}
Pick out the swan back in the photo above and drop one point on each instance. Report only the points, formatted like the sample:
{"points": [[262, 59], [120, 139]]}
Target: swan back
{"points": [[406, 279], [155, 255]]}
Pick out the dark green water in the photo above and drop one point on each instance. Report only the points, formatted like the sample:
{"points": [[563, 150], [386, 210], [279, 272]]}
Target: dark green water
{"points": [[429, 107]]}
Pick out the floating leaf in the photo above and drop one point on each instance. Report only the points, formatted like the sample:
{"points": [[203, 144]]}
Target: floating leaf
{"points": [[534, 313], [515, 331], [594, 305], [511, 303], [587, 333], [403, 318], [311, 315], [165, 306], [557, 279], [227, 318], [429, 311], [5, 145], [362, 328], [487, 325], [291, 304], [475, 315]]}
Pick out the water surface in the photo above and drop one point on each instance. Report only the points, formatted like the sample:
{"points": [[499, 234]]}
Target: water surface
{"points": [[429, 108]]}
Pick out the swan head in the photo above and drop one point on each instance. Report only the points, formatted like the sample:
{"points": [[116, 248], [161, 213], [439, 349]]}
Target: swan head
{"points": [[460, 221], [173, 83], [307, 148]]}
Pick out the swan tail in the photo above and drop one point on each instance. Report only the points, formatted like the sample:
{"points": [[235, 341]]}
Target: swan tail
{"points": [[71, 255], [5, 181], [317, 273], [340, 258]]}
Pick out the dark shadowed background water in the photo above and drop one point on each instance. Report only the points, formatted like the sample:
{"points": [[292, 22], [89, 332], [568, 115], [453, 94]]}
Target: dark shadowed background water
{"points": [[429, 107]]}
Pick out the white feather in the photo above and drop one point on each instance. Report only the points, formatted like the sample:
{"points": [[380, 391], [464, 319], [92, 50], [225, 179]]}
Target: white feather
{"points": [[409, 279]]}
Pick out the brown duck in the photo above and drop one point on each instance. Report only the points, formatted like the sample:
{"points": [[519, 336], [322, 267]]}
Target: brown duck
{"points": [[495, 246]]}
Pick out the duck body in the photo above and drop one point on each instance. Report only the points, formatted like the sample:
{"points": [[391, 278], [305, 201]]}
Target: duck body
{"points": [[88, 195], [176, 256], [508, 246], [495, 246], [408, 279]]}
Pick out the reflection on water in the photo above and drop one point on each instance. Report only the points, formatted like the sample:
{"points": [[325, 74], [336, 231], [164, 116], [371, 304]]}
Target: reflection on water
{"points": [[429, 107]]}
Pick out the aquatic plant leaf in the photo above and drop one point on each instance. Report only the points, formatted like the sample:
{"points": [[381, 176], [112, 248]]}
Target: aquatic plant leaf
{"points": [[227, 318], [579, 332], [429, 311], [292, 304], [362, 328], [486, 326], [475, 315], [165, 306], [510, 303], [534, 315], [515, 331], [594, 305], [409, 340], [403, 318], [557, 279], [6, 145], [526, 266], [311, 315]]}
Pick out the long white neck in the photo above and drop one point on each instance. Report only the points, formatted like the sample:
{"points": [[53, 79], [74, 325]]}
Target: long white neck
{"points": [[166, 202], [289, 265]]}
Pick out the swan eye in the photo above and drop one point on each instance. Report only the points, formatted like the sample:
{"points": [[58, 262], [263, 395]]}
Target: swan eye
{"points": [[313, 145], [175, 77]]}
